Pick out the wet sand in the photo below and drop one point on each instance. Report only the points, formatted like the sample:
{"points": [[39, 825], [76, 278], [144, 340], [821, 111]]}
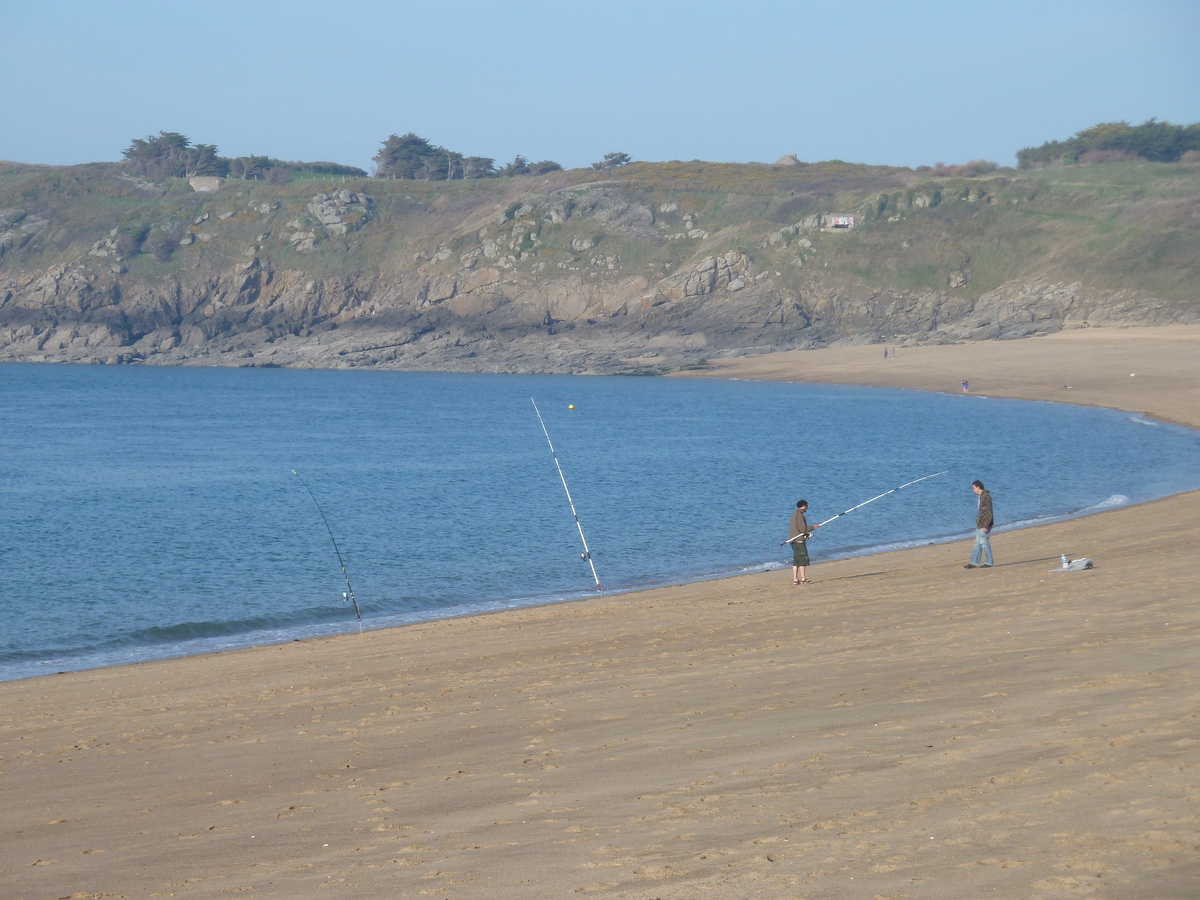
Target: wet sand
{"points": [[902, 728]]}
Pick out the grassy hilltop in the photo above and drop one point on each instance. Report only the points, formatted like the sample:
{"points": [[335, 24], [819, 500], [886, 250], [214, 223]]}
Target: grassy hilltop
{"points": [[646, 267]]}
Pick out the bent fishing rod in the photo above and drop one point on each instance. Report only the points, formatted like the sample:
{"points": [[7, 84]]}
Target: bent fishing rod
{"points": [[587, 554], [348, 594], [864, 503]]}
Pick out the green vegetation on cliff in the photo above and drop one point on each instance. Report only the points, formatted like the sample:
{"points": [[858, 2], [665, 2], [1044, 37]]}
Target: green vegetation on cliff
{"points": [[678, 259], [1153, 141], [169, 154]]}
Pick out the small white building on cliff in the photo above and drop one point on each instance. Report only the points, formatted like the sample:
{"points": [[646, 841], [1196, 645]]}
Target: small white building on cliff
{"points": [[205, 183]]}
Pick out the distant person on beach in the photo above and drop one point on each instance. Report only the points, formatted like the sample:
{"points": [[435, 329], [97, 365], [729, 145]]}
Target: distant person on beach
{"points": [[983, 528], [966, 387], [798, 532]]}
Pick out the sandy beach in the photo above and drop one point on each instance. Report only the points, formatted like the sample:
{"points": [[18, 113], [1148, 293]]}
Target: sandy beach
{"points": [[902, 728]]}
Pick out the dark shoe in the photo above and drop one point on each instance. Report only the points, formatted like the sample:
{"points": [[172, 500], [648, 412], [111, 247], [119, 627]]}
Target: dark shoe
{"points": [[970, 566], [987, 566]]}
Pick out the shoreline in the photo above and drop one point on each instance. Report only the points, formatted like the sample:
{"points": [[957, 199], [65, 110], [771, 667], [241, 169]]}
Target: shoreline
{"points": [[902, 728], [206, 634], [205, 646], [1083, 367]]}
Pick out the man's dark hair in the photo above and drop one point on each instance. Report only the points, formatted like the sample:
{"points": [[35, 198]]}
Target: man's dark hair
{"points": [[977, 483], [800, 503]]}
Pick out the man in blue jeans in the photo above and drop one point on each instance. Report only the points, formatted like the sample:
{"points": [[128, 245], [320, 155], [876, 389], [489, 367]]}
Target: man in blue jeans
{"points": [[983, 528]]}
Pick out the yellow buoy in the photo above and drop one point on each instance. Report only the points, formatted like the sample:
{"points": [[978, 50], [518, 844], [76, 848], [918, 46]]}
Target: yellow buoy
{"points": [[570, 406]]}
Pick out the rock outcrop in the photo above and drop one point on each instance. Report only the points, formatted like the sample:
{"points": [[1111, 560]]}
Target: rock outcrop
{"points": [[575, 277]]}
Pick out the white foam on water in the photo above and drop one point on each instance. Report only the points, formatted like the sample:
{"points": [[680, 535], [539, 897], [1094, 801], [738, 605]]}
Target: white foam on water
{"points": [[1112, 502]]}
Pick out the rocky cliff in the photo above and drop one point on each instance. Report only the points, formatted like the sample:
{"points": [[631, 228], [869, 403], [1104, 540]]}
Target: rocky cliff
{"points": [[649, 270]]}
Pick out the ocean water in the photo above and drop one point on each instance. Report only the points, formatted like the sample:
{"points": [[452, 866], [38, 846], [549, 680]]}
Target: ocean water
{"points": [[153, 512]]}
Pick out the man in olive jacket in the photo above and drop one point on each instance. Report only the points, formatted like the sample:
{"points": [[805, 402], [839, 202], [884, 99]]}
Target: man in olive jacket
{"points": [[798, 532], [983, 529]]}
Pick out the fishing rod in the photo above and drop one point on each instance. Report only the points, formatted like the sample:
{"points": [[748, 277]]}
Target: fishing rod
{"points": [[587, 554], [864, 503], [348, 594]]}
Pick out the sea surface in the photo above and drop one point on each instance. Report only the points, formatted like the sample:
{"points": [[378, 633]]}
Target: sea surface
{"points": [[153, 512]]}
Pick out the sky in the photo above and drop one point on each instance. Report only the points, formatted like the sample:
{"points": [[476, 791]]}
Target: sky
{"points": [[887, 83]]}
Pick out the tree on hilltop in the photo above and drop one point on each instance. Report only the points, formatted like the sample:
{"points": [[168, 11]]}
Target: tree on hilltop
{"points": [[519, 166], [245, 167], [612, 160], [405, 156], [202, 159], [1111, 141], [170, 154], [411, 156], [479, 167]]}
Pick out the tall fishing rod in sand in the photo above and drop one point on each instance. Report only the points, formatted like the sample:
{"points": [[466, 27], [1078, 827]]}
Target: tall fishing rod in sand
{"points": [[864, 503], [587, 554], [348, 594]]}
